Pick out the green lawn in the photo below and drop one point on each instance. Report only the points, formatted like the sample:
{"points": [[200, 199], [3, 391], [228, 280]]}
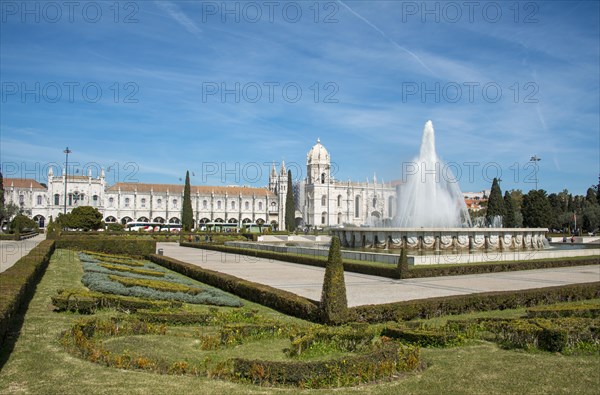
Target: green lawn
{"points": [[39, 364]]}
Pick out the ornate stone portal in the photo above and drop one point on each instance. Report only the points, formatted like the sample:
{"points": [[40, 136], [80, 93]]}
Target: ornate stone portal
{"points": [[443, 239]]}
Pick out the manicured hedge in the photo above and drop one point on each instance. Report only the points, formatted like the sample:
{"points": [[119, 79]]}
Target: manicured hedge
{"points": [[402, 270], [457, 270], [108, 245], [283, 301], [318, 261], [383, 361], [422, 337], [18, 282], [459, 304], [584, 310], [87, 302]]}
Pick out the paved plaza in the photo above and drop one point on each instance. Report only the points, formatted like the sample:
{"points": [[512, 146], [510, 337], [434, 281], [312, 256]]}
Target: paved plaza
{"points": [[363, 289], [11, 251]]}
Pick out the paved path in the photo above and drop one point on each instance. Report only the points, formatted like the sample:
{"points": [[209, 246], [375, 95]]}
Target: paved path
{"points": [[362, 289], [12, 251]]}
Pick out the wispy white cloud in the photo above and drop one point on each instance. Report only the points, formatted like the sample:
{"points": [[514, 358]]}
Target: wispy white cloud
{"points": [[179, 16]]}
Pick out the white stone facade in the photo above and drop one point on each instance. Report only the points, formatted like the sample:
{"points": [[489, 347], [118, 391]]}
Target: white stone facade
{"points": [[323, 201]]}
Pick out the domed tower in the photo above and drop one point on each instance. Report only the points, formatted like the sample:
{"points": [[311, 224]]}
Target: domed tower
{"points": [[318, 164]]}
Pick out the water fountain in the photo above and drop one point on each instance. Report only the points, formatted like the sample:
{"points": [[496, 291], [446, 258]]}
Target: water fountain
{"points": [[432, 215], [431, 197]]}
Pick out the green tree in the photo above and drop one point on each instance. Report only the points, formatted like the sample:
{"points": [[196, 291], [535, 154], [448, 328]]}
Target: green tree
{"points": [[495, 205], [334, 305], [290, 206], [510, 220], [537, 212], [22, 223], [590, 196], [187, 214], [83, 217]]}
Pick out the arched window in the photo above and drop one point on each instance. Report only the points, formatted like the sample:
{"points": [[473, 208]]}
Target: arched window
{"points": [[174, 203], [260, 205], [374, 202], [357, 206], [21, 199], [95, 200], [233, 204], [391, 206], [339, 201], [39, 200], [218, 204], [339, 218], [111, 201], [323, 217], [246, 205], [205, 204], [323, 200], [143, 202], [126, 202], [57, 199], [322, 178]]}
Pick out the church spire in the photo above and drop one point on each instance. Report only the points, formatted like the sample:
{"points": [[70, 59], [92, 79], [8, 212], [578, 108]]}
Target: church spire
{"points": [[283, 171]]}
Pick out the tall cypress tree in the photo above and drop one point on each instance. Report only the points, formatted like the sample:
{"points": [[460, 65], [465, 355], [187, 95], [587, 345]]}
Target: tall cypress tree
{"points": [[510, 220], [495, 205], [290, 206], [187, 214]]}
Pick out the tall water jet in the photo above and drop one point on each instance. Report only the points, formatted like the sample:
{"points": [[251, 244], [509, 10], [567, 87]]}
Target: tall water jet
{"points": [[430, 196]]}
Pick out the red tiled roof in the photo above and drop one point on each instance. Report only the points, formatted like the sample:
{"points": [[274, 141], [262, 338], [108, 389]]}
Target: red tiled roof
{"points": [[22, 183], [200, 189]]}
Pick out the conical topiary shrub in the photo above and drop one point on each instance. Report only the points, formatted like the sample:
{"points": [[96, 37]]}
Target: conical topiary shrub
{"points": [[334, 305], [402, 268]]}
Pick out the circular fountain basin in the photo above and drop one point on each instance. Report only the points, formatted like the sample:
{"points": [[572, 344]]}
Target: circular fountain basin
{"points": [[443, 239]]}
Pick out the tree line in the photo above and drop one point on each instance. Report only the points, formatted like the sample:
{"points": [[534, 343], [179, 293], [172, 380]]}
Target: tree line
{"points": [[560, 211]]}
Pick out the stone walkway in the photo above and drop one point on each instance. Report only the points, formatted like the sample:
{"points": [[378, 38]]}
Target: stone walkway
{"points": [[363, 289], [12, 251]]}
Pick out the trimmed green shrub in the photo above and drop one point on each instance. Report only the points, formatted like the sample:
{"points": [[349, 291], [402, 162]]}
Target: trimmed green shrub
{"points": [[317, 260], [402, 268], [584, 310], [18, 282], [164, 286], [334, 304], [383, 361], [109, 245], [459, 304], [283, 301], [143, 272], [86, 302], [458, 270], [422, 337]]}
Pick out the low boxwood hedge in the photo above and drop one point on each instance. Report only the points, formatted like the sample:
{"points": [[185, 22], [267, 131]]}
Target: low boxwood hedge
{"points": [[423, 337], [109, 245], [87, 302], [318, 261], [459, 304], [283, 301], [383, 361], [18, 282], [584, 310], [457, 270]]}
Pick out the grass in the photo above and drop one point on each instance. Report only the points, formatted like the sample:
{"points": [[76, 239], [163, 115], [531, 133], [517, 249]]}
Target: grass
{"points": [[39, 365]]}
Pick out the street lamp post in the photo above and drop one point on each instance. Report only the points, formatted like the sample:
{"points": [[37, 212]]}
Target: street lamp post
{"points": [[67, 151], [535, 159]]}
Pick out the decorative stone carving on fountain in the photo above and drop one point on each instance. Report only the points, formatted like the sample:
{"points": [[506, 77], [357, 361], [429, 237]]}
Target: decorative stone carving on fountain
{"points": [[439, 239]]}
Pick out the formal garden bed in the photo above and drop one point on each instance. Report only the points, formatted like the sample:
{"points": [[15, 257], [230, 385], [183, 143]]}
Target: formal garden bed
{"points": [[124, 343]]}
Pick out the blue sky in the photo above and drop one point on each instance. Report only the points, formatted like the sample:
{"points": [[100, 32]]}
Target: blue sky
{"points": [[150, 89]]}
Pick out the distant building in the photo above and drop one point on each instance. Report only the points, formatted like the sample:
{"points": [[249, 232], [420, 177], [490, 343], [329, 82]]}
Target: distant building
{"points": [[322, 200]]}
